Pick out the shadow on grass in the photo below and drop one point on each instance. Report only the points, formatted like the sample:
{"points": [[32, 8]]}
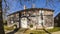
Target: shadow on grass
{"points": [[14, 31], [46, 31]]}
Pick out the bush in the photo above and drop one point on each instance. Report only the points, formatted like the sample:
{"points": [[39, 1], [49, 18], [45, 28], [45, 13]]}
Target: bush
{"points": [[5, 22], [31, 25]]}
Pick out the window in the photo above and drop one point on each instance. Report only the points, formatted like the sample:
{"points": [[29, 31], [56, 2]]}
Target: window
{"points": [[48, 21], [57, 18]]}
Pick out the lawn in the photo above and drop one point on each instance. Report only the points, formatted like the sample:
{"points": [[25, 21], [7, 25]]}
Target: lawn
{"points": [[8, 28], [54, 29], [41, 31], [35, 32]]}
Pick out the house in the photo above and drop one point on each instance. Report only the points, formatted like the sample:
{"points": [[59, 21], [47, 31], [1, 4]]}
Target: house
{"points": [[57, 20], [37, 17]]}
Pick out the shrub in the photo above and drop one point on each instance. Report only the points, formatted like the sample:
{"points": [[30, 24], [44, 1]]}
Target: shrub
{"points": [[31, 25], [5, 22]]}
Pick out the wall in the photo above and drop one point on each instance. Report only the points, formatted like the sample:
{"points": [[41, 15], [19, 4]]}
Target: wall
{"points": [[49, 20], [27, 18], [13, 20], [34, 17]]}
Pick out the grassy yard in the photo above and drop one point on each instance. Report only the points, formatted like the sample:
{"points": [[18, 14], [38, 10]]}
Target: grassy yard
{"points": [[8, 28], [41, 31], [54, 29], [35, 32]]}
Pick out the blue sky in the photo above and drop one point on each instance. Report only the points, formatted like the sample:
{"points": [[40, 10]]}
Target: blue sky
{"points": [[14, 5]]}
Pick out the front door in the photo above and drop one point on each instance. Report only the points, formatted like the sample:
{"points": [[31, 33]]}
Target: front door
{"points": [[24, 22]]}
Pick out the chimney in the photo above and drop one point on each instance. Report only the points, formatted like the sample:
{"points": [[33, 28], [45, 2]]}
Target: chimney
{"points": [[24, 7], [33, 5]]}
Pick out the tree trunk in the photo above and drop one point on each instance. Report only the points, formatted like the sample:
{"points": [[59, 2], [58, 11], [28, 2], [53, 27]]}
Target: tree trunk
{"points": [[1, 19]]}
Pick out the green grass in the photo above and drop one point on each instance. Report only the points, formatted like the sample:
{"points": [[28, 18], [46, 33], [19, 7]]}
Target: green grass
{"points": [[54, 29], [35, 32], [8, 28], [42, 31], [22, 29]]}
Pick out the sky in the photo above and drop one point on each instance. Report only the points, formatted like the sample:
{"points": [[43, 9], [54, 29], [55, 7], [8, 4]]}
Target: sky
{"points": [[15, 5]]}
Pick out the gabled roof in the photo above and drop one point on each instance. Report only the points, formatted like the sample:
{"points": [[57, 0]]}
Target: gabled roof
{"points": [[29, 9], [57, 15]]}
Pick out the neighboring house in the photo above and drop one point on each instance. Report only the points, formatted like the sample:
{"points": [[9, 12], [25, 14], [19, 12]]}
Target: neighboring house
{"points": [[38, 17], [57, 20]]}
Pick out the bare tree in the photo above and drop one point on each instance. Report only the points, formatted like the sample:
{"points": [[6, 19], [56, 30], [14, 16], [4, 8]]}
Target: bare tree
{"points": [[7, 7], [49, 3], [5, 11], [1, 20]]}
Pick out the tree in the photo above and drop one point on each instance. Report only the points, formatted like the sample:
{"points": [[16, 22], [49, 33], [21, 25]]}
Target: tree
{"points": [[30, 2], [49, 3], [1, 20]]}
